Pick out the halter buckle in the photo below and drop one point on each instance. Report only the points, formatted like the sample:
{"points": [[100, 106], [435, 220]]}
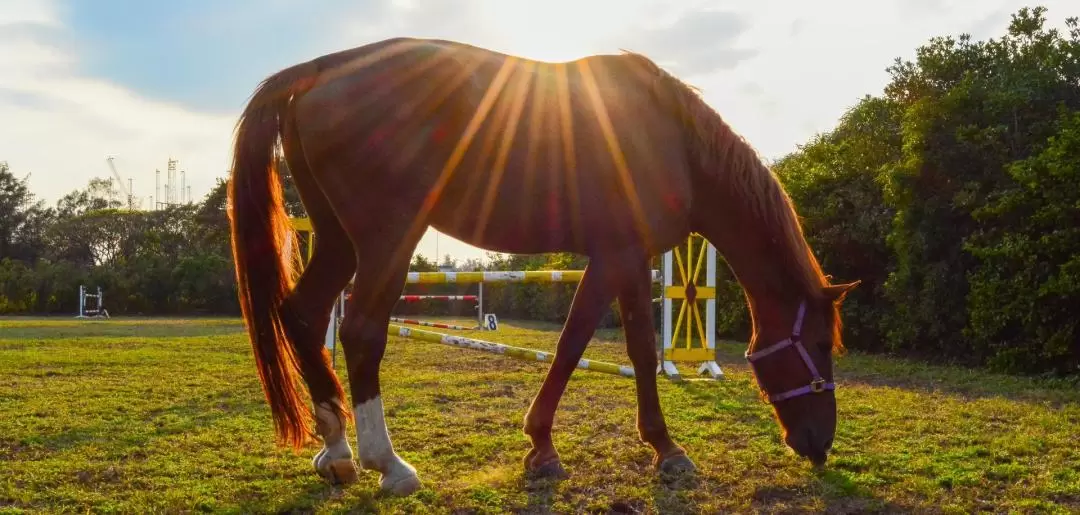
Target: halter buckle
{"points": [[817, 385]]}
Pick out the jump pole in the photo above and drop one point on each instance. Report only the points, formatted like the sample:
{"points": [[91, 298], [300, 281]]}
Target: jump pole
{"points": [[436, 325], [505, 350], [449, 298], [528, 276]]}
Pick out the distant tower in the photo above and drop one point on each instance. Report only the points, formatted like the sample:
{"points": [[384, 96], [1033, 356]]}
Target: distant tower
{"points": [[170, 190]]}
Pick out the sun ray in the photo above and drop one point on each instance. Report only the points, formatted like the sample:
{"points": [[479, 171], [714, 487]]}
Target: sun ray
{"points": [[617, 156], [520, 90], [496, 122], [462, 144], [536, 127], [566, 124], [418, 140]]}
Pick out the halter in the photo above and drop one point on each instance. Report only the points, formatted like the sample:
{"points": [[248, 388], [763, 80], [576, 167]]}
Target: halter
{"points": [[817, 384]]}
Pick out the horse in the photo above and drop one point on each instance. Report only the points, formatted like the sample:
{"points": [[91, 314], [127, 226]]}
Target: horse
{"points": [[607, 156]]}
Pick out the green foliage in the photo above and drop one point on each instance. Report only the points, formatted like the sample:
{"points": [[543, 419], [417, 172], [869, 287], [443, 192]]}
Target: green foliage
{"points": [[174, 260], [953, 197], [972, 109], [1025, 293], [835, 181]]}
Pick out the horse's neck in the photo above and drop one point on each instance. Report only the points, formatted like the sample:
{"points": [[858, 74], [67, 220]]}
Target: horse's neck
{"points": [[758, 264], [772, 294]]}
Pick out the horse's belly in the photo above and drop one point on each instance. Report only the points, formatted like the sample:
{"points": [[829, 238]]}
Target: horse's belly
{"points": [[523, 226], [531, 218]]}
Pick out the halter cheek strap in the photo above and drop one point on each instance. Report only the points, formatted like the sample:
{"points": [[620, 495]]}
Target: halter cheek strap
{"points": [[817, 383]]}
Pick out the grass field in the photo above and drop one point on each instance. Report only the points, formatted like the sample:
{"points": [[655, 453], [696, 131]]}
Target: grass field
{"points": [[141, 415]]}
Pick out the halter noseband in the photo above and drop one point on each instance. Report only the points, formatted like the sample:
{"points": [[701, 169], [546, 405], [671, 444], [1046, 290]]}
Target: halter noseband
{"points": [[817, 384]]}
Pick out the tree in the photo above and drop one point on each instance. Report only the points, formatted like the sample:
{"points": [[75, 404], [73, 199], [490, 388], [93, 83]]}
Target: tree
{"points": [[22, 220], [1025, 293], [835, 182], [970, 109]]}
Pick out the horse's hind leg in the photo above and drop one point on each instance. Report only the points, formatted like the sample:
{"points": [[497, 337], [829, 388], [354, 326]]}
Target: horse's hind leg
{"points": [[380, 276], [635, 308], [594, 293], [307, 313]]}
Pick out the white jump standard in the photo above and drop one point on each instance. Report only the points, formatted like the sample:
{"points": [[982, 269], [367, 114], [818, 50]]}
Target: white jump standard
{"points": [[98, 310]]}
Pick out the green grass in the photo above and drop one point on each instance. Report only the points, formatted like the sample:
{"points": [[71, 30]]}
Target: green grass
{"points": [[151, 415]]}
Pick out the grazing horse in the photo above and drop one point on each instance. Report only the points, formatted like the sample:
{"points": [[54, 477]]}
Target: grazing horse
{"points": [[608, 156]]}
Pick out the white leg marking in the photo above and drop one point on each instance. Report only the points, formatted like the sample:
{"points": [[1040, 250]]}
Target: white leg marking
{"points": [[332, 428], [377, 452], [334, 460]]}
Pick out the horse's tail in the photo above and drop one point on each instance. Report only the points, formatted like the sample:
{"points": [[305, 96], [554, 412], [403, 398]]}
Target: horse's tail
{"points": [[260, 225]]}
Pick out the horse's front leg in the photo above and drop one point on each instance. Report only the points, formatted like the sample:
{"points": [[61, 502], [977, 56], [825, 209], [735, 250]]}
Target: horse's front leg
{"points": [[635, 307], [593, 296]]}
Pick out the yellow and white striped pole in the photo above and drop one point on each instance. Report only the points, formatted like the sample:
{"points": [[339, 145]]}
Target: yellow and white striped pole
{"points": [[518, 276], [506, 350]]}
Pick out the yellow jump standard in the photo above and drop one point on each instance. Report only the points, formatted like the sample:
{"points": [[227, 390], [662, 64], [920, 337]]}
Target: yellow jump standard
{"points": [[682, 280]]}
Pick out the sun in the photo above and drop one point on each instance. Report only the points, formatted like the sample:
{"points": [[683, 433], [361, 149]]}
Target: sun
{"points": [[556, 30]]}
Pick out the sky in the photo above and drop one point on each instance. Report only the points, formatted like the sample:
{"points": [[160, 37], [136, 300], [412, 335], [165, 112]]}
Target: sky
{"points": [[147, 82]]}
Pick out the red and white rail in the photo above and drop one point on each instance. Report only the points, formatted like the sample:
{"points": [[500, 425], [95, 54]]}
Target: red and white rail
{"points": [[410, 321]]}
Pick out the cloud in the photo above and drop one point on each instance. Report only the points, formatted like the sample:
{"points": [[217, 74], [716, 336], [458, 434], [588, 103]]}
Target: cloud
{"points": [[699, 42], [15, 12], [57, 124]]}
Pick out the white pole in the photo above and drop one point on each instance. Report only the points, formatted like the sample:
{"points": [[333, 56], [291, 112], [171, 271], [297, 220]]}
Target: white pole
{"points": [[480, 306], [711, 367], [331, 328], [667, 300], [668, 367], [82, 301], [710, 304]]}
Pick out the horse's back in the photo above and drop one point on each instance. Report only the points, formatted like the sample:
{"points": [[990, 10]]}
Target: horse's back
{"points": [[528, 156]]}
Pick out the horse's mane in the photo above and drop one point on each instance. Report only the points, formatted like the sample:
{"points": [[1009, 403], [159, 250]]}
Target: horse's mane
{"points": [[723, 152]]}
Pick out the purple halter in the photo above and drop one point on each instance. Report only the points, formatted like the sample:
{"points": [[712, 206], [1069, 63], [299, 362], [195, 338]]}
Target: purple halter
{"points": [[817, 384]]}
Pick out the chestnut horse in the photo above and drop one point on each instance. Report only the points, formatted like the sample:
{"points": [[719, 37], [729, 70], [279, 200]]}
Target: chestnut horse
{"points": [[607, 156]]}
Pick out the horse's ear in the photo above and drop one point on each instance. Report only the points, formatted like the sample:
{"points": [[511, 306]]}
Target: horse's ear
{"points": [[837, 292]]}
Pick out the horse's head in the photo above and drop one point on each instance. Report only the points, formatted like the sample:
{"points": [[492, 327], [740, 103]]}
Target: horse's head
{"points": [[793, 364]]}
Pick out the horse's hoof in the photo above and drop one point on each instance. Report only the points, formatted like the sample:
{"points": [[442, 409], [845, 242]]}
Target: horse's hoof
{"points": [[551, 470], [341, 471], [401, 485], [677, 465]]}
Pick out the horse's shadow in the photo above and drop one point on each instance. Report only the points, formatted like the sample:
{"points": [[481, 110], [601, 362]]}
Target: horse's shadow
{"points": [[854, 500], [542, 494]]}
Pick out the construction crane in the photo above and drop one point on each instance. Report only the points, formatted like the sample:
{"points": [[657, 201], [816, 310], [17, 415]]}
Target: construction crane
{"points": [[120, 182]]}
